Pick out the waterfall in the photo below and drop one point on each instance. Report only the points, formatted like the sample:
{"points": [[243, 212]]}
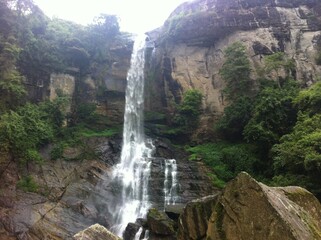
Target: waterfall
{"points": [[133, 171], [170, 182]]}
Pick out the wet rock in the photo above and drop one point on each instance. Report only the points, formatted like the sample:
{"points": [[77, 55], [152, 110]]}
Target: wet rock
{"points": [[193, 182], [193, 222], [95, 232], [174, 211], [141, 222], [130, 231], [159, 223]]}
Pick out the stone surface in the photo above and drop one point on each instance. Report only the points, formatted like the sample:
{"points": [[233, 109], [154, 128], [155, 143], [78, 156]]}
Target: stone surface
{"points": [[95, 232], [131, 230], [248, 209], [74, 194]]}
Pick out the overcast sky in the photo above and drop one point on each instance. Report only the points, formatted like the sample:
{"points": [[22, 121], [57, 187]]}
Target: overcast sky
{"points": [[136, 16]]}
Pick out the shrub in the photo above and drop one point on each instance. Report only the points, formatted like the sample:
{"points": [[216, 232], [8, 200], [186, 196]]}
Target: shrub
{"points": [[27, 184], [226, 160]]}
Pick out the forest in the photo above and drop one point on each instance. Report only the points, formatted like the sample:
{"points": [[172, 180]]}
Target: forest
{"points": [[270, 129]]}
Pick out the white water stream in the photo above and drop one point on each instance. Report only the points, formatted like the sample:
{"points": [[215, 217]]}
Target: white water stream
{"points": [[133, 172], [170, 183]]}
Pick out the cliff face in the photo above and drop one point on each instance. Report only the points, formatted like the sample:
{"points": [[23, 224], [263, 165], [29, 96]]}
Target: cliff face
{"points": [[190, 46], [105, 87]]}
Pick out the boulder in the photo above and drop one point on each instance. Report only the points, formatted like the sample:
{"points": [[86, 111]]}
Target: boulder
{"points": [[95, 232], [159, 223], [174, 211], [193, 221], [248, 209], [131, 231]]}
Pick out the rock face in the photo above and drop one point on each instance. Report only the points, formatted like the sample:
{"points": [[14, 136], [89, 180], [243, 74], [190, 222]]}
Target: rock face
{"points": [[62, 84], [112, 101], [75, 194], [190, 46], [95, 232], [248, 209]]}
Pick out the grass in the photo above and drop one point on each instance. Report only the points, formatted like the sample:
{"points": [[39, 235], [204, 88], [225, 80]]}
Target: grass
{"points": [[74, 137], [86, 132], [225, 159]]}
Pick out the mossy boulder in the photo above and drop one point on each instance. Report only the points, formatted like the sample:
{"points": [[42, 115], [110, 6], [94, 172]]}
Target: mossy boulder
{"points": [[159, 223]]}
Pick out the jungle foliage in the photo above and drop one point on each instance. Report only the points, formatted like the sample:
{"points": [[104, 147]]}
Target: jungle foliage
{"points": [[32, 46]]}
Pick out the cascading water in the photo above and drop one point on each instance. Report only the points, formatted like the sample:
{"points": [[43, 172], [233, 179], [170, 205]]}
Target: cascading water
{"points": [[170, 183], [133, 171]]}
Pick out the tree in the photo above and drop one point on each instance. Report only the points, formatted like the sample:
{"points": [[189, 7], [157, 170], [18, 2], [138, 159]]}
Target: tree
{"points": [[23, 131], [235, 118], [309, 100], [236, 72], [299, 152], [11, 87], [273, 115], [277, 61], [189, 110]]}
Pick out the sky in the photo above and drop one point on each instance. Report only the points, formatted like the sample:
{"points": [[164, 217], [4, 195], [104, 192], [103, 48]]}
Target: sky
{"points": [[136, 16]]}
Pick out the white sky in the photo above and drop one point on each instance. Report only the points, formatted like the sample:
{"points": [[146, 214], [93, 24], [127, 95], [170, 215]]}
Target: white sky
{"points": [[136, 16]]}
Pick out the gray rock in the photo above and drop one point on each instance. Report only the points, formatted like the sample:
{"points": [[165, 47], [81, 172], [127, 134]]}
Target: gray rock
{"points": [[130, 231]]}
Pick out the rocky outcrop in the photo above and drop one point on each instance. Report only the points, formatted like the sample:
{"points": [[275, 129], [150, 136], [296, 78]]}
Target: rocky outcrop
{"points": [[74, 193], [159, 223], [248, 209], [95, 232], [190, 46], [62, 84]]}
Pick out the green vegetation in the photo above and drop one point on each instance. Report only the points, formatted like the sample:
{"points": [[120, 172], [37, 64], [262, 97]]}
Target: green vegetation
{"points": [[271, 130], [187, 116], [226, 159], [32, 47], [23, 131], [27, 184], [236, 72], [189, 110]]}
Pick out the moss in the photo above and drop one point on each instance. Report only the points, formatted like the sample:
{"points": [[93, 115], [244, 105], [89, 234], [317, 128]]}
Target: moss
{"points": [[312, 225]]}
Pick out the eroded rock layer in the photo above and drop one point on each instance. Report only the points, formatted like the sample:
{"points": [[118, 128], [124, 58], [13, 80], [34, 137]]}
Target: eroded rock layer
{"points": [[190, 46]]}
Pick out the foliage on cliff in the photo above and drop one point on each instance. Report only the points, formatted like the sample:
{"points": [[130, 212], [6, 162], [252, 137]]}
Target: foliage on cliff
{"points": [[32, 46], [278, 121]]}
